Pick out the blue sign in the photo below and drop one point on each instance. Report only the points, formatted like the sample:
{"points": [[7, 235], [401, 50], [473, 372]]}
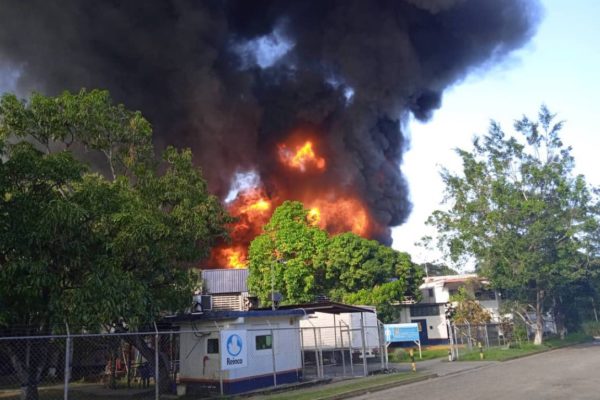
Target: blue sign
{"points": [[401, 332], [234, 345]]}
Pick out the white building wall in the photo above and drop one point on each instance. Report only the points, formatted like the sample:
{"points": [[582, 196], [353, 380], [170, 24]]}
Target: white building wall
{"points": [[196, 364], [436, 327], [339, 330], [441, 294]]}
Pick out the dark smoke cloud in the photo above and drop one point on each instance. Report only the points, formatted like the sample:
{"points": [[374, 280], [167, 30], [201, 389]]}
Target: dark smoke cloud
{"points": [[353, 71]]}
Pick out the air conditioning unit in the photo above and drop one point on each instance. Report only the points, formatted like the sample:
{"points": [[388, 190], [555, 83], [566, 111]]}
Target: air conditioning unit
{"points": [[206, 302], [201, 303]]}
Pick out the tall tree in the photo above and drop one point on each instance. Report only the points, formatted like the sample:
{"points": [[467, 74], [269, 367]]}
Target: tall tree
{"points": [[80, 250], [362, 271], [288, 256], [299, 260], [520, 212]]}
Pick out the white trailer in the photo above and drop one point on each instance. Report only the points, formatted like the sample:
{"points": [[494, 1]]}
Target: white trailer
{"points": [[328, 331]]}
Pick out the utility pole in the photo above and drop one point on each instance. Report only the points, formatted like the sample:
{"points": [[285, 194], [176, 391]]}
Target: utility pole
{"points": [[272, 288]]}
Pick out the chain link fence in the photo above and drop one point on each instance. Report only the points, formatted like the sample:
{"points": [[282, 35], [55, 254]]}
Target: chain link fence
{"points": [[467, 337], [149, 365]]}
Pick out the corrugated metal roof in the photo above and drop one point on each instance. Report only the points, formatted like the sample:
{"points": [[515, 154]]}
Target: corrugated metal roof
{"points": [[215, 281]]}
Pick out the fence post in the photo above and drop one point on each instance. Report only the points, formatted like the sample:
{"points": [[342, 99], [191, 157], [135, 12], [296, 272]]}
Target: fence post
{"points": [[364, 345], [67, 362], [343, 351], [273, 358], [302, 351], [456, 340], [450, 340], [381, 344], [156, 369], [316, 352], [350, 344]]}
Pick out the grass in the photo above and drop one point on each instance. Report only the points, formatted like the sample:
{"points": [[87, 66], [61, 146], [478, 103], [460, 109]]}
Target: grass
{"points": [[342, 388], [401, 355], [81, 391], [524, 349]]}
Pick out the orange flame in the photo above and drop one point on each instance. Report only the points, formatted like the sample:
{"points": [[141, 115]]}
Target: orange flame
{"points": [[232, 257], [260, 205], [302, 158], [340, 215], [314, 216]]}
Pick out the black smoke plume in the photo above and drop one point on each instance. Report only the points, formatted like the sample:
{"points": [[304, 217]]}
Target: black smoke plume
{"points": [[349, 70]]}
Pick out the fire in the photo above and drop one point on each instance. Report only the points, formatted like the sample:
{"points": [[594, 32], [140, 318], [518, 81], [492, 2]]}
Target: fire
{"points": [[253, 206], [261, 205], [314, 216], [232, 257], [303, 158], [340, 215], [252, 209]]}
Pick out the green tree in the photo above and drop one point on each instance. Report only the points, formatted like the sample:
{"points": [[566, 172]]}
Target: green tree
{"points": [[300, 261], [520, 212], [467, 310], [79, 250], [288, 255], [361, 271], [433, 269], [86, 121]]}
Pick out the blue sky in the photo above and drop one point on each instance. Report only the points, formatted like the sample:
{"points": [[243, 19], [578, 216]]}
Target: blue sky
{"points": [[560, 67]]}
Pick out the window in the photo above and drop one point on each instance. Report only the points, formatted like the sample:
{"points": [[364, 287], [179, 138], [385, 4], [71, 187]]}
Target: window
{"points": [[264, 342], [212, 346], [430, 292], [425, 311]]}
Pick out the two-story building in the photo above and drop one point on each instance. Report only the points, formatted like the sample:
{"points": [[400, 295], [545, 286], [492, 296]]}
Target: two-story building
{"points": [[436, 293]]}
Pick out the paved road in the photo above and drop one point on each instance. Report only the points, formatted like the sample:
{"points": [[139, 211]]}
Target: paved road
{"points": [[570, 373]]}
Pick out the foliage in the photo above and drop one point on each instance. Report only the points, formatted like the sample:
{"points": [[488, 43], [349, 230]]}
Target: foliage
{"points": [[523, 349], [85, 119], [78, 249], [519, 211], [467, 310], [432, 269], [361, 271], [304, 262], [401, 355], [591, 328], [290, 254]]}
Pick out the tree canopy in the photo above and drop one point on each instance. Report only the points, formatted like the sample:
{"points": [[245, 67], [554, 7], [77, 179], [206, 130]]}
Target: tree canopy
{"points": [[521, 213], [77, 248], [467, 310], [289, 253], [305, 263]]}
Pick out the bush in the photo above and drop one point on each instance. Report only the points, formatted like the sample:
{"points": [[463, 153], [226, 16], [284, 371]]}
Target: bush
{"points": [[591, 328], [520, 333]]}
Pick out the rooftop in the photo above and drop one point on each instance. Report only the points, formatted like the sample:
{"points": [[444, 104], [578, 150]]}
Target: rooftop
{"points": [[219, 281], [223, 315], [446, 279], [330, 307]]}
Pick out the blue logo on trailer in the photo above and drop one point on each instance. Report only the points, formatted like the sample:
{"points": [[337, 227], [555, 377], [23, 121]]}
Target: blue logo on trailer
{"points": [[401, 332], [234, 345]]}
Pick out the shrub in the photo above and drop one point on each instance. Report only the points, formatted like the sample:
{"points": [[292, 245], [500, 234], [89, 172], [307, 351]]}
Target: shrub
{"points": [[591, 328]]}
